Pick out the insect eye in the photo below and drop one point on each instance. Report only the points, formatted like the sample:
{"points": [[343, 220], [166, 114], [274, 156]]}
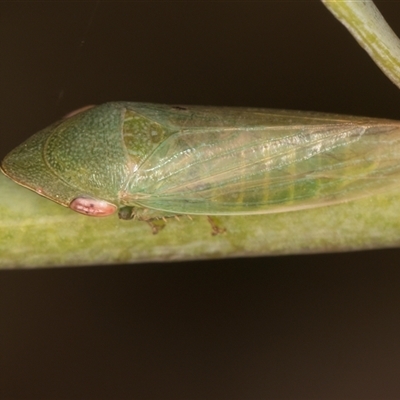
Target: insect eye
{"points": [[92, 207]]}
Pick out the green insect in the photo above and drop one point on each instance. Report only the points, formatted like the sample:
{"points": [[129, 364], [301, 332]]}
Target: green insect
{"points": [[152, 161]]}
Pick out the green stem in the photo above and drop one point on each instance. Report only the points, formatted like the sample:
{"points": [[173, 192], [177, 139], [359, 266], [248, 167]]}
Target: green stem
{"points": [[37, 232], [374, 35]]}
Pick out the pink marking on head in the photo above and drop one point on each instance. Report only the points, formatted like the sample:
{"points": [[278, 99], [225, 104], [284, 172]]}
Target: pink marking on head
{"points": [[78, 111], [92, 207]]}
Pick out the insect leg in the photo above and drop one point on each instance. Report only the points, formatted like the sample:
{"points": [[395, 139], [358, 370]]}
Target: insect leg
{"points": [[216, 225], [156, 224]]}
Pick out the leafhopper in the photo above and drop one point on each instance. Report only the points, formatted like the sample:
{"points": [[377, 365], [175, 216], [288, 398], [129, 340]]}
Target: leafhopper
{"points": [[150, 161]]}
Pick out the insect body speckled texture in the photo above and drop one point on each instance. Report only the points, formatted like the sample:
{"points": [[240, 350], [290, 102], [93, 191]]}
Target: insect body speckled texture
{"points": [[152, 161]]}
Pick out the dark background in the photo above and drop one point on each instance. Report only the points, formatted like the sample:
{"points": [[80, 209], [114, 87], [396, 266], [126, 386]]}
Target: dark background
{"points": [[297, 327]]}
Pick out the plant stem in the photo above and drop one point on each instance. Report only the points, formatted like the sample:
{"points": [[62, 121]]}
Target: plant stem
{"points": [[35, 232], [374, 35]]}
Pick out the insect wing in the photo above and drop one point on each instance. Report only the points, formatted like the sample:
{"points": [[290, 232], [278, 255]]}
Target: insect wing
{"points": [[267, 170]]}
